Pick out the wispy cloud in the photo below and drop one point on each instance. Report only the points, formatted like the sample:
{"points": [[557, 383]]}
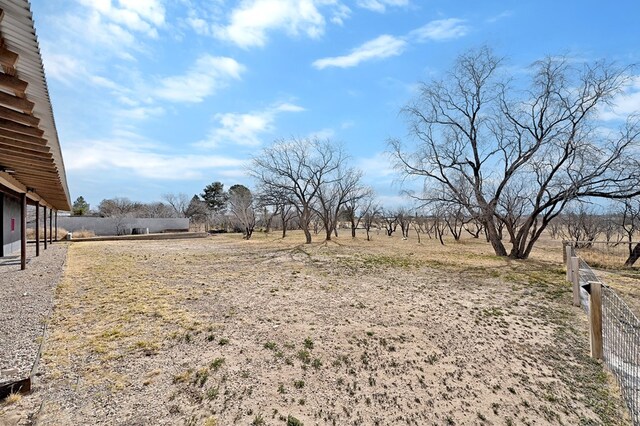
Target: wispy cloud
{"points": [[624, 104], [499, 16], [204, 78], [142, 158], [252, 20], [139, 16], [439, 30], [386, 45], [246, 129], [380, 5], [381, 47]]}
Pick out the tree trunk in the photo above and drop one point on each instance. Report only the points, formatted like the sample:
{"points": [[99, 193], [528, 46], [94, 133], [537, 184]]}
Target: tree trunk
{"points": [[307, 235], [635, 255], [494, 238], [329, 231]]}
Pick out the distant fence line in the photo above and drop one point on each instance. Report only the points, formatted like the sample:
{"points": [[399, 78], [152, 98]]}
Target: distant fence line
{"points": [[104, 226], [614, 328]]}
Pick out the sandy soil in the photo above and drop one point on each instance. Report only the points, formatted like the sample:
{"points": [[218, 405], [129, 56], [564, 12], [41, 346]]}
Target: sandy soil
{"points": [[222, 331]]}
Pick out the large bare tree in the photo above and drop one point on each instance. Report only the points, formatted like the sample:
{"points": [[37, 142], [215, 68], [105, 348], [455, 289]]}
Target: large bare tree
{"points": [[297, 168], [524, 152]]}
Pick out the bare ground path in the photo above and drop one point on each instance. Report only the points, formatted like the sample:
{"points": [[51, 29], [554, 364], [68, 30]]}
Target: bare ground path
{"points": [[224, 331]]}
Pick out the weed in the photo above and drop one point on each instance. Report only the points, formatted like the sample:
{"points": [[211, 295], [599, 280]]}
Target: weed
{"points": [[308, 343], [316, 363], [223, 342], [201, 376], [216, 364], [281, 389], [182, 377], [258, 420], [212, 393], [304, 356], [301, 401], [271, 346], [292, 421], [298, 384], [13, 398]]}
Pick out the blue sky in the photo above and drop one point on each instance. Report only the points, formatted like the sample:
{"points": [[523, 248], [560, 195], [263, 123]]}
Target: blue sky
{"points": [[158, 96]]}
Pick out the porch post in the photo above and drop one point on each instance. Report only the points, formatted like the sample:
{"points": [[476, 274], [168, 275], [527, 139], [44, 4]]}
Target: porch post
{"points": [[23, 232], [44, 223], [38, 229]]}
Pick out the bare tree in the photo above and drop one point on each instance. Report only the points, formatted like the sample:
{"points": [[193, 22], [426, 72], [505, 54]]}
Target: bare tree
{"points": [[297, 168], [241, 206], [581, 225], [630, 222], [543, 143], [341, 188], [389, 221], [404, 220], [178, 202], [370, 217], [358, 206]]}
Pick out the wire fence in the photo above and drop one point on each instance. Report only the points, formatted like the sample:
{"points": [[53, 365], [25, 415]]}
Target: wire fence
{"points": [[608, 254], [620, 338]]}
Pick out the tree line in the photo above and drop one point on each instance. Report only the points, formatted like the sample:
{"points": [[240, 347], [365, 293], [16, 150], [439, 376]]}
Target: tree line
{"points": [[497, 157]]}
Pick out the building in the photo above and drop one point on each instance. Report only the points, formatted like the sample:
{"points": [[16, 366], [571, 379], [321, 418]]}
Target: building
{"points": [[31, 166]]}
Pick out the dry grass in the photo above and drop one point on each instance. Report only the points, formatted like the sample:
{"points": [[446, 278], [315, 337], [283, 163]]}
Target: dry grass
{"points": [[31, 233], [13, 398], [271, 331]]}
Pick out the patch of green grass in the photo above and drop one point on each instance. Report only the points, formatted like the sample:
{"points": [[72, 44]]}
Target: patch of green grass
{"points": [[298, 384], [292, 421], [271, 346], [216, 364], [304, 356], [308, 343]]}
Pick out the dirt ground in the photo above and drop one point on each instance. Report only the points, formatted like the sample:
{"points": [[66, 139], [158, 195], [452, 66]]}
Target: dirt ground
{"points": [[222, 331]]}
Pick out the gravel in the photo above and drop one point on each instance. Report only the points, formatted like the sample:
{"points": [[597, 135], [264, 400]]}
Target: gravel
{"points": [[26, 299]]}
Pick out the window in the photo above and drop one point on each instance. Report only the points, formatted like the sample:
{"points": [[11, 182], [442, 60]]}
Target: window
{"points": [[13, 224]]}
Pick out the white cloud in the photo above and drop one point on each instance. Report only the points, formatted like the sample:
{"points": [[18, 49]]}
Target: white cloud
{"points": [[140, 113], [143, 159], [61, 67], [624, 104], [442, 29], [381, 47], [246, 129], [340, 14], [377, 167], [380, 6], [500, 16], [139, 15], [253, 19], [206, 76], [386, 46]]}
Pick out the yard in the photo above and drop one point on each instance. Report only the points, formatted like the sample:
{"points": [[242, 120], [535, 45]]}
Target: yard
{"points": [[222, 331]]}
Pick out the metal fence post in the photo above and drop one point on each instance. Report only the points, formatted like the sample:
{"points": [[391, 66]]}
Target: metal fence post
{"points": [[575, 279], [595, 318]]}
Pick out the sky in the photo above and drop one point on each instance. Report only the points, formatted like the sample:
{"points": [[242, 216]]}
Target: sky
{"points": [[158, 96]]}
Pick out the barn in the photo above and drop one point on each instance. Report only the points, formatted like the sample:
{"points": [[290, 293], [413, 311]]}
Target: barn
{"points": [[31, 165]]}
